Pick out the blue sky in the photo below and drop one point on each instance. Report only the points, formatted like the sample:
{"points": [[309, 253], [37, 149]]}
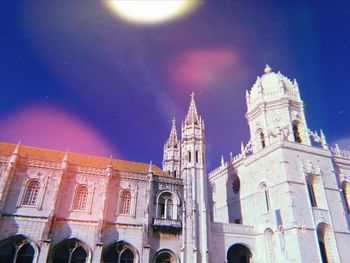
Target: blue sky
{"points": [[74, 76]]}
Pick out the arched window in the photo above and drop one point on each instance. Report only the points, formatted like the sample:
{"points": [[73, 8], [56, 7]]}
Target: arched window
{"points": [[197, 157], [236, 184], [80, 198], [119, 252], [311, 191], [238, 253], [345, 191], [167, 206], [31, 193], [189, 156], [174, 173], [165, 256], [260, 137], [296, 132], [125, 207], [265, 197], [16, 249], [70, 251], [322, 230]]}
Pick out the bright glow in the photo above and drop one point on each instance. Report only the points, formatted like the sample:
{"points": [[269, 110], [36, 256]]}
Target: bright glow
{"points": [[151, 11]]}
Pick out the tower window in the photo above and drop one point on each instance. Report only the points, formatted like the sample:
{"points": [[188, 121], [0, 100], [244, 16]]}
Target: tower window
{"points": [[311, 192], [262, 139], [296, 132], [196, 156], [174, 173], [189, 156], [345, 191], [265, 197]]}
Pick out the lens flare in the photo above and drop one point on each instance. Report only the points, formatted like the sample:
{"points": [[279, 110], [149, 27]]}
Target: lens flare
{"points": [[151, 11]]}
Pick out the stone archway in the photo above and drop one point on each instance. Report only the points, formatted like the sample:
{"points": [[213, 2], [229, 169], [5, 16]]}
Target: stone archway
{"points": [[239, 253]]}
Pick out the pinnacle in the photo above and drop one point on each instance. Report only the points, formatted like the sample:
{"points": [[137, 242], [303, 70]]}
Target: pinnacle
{"points": [[172, 141], [192, 115]]}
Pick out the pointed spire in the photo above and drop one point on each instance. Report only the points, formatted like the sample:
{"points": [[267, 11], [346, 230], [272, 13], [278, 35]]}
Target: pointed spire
{"points": [[172, 141], [150, 167], [323, 140], [110, 162], [222, 160], [64, 163], [65, 157], [192, 115], [16, 151]]}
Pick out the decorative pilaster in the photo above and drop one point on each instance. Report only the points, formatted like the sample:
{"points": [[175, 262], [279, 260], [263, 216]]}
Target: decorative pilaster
{"points": [[148, 215], [7, 176]]}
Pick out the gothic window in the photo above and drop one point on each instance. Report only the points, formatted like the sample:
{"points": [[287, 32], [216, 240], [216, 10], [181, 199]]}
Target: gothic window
{"points": [[174, 173], [70, 251], [16, 249], [165, 256], [167, 206], [323, 241], [120, 252], [196, 156], [80, 198], [189, 156], [345, 191], [296, 132], [236, 185], [311, 191], [265, 197], [31, 193], [260, 138], [125, 207]]}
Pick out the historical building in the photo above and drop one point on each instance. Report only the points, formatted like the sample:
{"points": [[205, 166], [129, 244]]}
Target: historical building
{"points": [[284, 198]]}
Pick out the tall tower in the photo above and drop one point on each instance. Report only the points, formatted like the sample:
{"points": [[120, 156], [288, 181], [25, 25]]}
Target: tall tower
{"points": [[275, 111], [171, 156], [193, 172]]}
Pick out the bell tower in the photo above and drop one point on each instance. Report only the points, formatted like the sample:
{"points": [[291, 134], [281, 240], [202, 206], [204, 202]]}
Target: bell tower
{"points": [[193, 172], [171, 156], [275, 111]]}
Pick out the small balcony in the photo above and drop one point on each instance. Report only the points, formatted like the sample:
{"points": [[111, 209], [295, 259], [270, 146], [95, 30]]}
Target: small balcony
{"points": [[167, 225]]}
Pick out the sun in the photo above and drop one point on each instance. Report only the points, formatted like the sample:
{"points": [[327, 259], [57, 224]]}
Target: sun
{"points": [[151, 11]]}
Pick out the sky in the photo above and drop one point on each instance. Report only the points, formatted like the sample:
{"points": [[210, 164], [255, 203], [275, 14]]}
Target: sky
{"points": [[74, 75]]}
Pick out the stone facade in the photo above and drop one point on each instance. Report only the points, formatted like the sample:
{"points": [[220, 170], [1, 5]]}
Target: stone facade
{"points": [[284, 198]]}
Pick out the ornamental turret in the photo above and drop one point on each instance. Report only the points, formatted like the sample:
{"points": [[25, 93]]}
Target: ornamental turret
{"points": [[275, 111], [171, 156]]}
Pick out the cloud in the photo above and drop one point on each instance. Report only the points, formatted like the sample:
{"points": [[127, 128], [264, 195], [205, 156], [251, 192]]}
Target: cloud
{"points": [[203, 68]]}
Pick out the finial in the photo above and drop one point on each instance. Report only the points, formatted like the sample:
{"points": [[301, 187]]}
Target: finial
{"points": [[323, 140], [192, 95], [16, 151], [267, 69], [110, 163], [222, 160], [150, 167], [174, 122], [65, 157]]}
